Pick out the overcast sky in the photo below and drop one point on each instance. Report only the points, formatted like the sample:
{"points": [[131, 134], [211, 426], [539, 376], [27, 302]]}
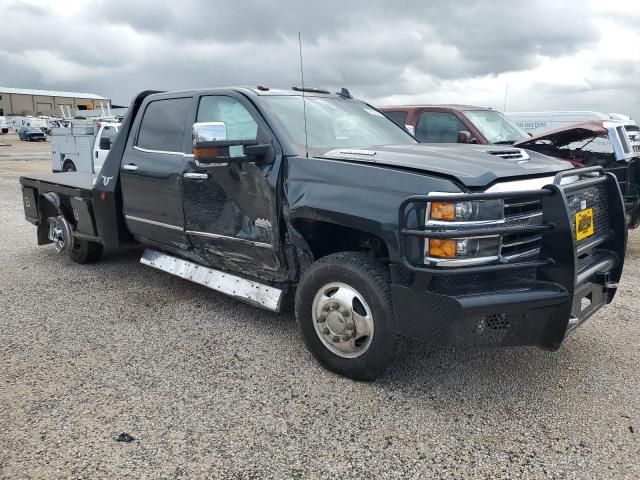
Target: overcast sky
{"points": [[558, 54]]}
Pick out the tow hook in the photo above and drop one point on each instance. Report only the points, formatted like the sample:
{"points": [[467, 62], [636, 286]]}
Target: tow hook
{"points": [[60, 233], [603, 279]]}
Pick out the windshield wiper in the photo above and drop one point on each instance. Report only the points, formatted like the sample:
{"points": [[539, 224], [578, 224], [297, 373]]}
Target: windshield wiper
{"points": [[504, 142]]}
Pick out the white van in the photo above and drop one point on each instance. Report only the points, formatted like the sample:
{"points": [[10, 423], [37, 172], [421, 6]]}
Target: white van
{"points": [[538, 122], [4, 126]]}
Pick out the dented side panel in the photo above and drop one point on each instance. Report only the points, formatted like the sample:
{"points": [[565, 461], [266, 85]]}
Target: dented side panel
{"points": [[364, 197]]}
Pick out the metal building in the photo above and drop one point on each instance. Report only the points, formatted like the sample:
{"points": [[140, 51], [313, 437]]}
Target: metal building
{"points": [[22, 101]]}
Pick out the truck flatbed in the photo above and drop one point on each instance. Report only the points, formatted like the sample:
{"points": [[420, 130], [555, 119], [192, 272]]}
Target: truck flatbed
{"points": [[74, 183]]}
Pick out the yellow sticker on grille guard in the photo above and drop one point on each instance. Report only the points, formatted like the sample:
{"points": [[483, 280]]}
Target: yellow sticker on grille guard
{"points": [[584, 224]]}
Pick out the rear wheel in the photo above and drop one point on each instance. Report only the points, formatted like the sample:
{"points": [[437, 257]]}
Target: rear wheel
{"points": [[84, 251], [69, 166], [343, 308]]}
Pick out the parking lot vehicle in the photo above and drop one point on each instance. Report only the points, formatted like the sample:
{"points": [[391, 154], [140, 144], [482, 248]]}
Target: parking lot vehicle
{"points": [[4, 126], [30, 121], [31, 134], [607, 144], [265, 195], [82, 145], [455, 124], [536, 123]]}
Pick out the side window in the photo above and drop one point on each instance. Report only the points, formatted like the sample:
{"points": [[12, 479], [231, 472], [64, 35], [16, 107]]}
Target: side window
{"points": [[163, 124], [240, 124], [438, 127], [399, 117]]}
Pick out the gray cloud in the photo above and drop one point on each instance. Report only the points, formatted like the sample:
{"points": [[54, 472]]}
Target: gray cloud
{"points": [[376, 48]]}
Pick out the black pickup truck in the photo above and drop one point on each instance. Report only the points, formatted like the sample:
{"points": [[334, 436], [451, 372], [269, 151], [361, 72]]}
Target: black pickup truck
{"points": [[268, 195]]}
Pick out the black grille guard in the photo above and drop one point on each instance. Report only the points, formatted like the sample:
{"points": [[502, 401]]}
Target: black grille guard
{"points": [[559, 253]]}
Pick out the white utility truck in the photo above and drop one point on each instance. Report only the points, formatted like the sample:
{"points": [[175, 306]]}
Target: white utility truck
{"points": [[82, 145]]}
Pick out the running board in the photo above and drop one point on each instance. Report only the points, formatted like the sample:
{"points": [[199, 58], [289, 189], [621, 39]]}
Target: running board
{"points": [[252, 292]]}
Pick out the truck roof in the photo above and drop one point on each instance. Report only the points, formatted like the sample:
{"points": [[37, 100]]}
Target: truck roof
{"points": [[259, 91]]}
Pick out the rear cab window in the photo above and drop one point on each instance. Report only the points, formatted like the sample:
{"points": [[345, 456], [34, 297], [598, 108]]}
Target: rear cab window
{"points": [[163, 125]]}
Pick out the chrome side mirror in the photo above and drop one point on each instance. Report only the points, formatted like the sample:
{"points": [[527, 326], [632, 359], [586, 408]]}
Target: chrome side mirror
{"points": [[208, 132]]}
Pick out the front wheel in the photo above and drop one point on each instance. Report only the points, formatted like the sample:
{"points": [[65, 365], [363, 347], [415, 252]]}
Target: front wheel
{"points": [[343, 309]]}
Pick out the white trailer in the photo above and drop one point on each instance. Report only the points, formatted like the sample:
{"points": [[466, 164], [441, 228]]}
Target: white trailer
{"points": [[83, 145]]}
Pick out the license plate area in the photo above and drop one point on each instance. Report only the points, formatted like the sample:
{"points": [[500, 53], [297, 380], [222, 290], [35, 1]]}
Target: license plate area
{"points": [[584, 224]]}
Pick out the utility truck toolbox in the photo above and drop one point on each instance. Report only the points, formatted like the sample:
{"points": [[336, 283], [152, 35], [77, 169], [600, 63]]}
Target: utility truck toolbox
{"points": [[268, 195]]}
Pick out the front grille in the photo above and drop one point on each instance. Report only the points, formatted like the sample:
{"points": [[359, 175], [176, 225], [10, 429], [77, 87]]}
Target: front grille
{"points": [[519, 213]]}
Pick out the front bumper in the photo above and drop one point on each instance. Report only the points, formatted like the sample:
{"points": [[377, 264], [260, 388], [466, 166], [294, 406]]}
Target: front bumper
{"points": [[537, 301]]}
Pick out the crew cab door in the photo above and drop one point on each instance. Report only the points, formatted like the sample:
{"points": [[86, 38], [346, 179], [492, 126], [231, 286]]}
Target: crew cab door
{"points": [[230, 208], [151, 172]]}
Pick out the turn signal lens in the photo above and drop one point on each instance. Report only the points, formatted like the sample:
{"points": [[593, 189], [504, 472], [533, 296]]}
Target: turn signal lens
{"points": [[443, 211], [442, 248]]}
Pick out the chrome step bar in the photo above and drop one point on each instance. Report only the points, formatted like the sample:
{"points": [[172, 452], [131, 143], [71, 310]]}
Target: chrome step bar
{"points": [[249, 291]]}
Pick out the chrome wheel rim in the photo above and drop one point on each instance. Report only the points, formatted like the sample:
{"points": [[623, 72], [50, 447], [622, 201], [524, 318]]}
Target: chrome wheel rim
{"points": [[342, 320]]}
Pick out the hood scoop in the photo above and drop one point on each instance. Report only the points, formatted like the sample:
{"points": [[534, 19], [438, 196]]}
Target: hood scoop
{"points": [[514, 154]]}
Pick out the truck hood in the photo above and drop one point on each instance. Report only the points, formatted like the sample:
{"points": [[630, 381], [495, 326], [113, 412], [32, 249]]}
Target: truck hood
{"points": [[472, 165], [622, 146], [565, 135]]}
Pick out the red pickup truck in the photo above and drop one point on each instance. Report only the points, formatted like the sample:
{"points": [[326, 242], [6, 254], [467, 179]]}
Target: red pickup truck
{"points": [[455, 124]]}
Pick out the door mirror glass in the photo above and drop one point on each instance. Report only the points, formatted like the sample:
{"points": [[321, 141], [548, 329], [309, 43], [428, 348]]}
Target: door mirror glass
{"points": [[105, 143], [209, 132]]}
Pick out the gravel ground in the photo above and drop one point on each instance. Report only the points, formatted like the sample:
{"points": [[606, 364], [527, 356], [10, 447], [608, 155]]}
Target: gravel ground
{"points": [[210, 387]]}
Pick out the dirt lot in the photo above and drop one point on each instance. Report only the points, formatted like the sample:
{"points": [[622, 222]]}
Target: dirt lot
{"points": [[209, 387], [21, 158]]}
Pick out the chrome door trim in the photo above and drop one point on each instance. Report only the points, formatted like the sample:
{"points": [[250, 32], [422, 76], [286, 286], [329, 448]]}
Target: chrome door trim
{"points": [[153, 222], [163, 152], [227, 237], [130, 167]]}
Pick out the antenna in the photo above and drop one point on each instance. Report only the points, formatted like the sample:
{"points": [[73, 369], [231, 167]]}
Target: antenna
{"points": [[506, 91], [304, 104], [504, 109]]}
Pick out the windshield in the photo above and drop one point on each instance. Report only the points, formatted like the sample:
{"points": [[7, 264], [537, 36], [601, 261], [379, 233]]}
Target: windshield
{"points": [[494, 126], [334, 123]]}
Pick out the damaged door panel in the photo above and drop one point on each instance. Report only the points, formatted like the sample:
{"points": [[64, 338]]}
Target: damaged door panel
{"points": [[230, 207]]}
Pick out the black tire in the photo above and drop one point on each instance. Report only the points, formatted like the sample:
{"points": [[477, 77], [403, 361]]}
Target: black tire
{"points": [[370, 279], [69, 167], [85, 252]]}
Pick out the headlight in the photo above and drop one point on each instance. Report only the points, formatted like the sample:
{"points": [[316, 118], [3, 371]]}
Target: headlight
{"points": [[463, 248], [461, 216], [471, 211]]}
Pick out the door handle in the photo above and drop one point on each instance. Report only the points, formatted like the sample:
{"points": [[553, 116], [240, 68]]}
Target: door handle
{"points": [[96, 154], [196, 176], [130, 167]]}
